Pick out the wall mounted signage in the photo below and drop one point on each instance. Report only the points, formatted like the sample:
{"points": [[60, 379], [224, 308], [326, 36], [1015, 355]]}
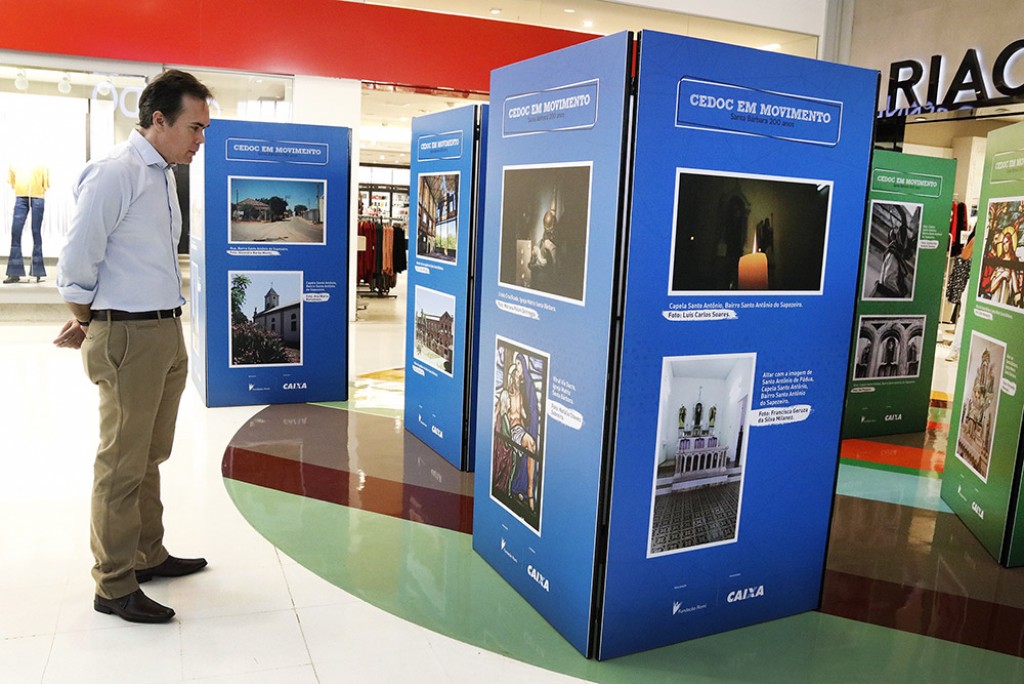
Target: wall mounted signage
{"points": [[916, 87]]}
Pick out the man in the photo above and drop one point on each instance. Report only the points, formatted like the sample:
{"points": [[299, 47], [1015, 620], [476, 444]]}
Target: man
{"points": [[119, 276]]}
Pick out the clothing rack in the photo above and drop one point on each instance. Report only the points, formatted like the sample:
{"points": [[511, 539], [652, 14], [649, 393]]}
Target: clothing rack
{"points": [[384, 257]]}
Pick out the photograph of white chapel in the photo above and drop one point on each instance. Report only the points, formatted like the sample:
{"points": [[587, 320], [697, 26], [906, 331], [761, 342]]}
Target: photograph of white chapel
{"points": [[701, 452], [271, 335]]}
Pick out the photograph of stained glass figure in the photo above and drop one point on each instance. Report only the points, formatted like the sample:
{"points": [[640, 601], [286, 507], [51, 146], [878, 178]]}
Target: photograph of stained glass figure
{"points": [[1002, 266], [519, 430]]}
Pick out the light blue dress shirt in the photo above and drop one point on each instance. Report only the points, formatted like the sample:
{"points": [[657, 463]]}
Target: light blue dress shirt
{"points": [[122, 248]]}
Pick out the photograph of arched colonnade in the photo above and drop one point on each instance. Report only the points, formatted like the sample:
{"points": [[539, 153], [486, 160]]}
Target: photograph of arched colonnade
{"points": [[889, 347]]}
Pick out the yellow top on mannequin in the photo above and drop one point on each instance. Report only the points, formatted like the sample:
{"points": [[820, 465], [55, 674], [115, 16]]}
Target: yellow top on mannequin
{"points": [[29, 181]]}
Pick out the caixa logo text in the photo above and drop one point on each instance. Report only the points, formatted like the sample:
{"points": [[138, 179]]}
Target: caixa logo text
{"points": [[538, 578], [294, 385], [744, 594]]}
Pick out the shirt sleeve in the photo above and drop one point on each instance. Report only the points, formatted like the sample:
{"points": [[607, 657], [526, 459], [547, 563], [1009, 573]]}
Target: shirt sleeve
{"points": [[102, 197]]}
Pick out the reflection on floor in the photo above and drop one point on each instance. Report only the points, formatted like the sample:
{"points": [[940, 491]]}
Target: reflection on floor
{"points": [[385, 518]]}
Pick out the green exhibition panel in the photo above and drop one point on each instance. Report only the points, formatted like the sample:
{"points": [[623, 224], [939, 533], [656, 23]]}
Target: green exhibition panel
{"points": [[902, 265], [982, 482]]}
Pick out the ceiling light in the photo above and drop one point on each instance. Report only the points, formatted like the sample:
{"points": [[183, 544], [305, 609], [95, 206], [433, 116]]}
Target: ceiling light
{"points": [[21, 80], [495, 10], [569, 10], [771, 47], [587, 23], [64, 85]]}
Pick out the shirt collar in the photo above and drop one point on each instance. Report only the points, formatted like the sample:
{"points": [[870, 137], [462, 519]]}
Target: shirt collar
{"points": [[146, 150]]}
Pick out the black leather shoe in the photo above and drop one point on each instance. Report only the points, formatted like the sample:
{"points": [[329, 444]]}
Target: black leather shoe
{"points": [[135, 607], [172, 567]]}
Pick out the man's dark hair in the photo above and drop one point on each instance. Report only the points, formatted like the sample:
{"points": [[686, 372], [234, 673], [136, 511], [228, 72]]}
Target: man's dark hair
{"points": [[165, 94]]}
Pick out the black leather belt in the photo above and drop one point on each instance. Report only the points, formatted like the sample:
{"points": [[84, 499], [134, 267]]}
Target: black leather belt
{"points": [[115, 315]]}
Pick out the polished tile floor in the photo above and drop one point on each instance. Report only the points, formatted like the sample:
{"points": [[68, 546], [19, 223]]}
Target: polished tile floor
{"points": [[339, 552]]}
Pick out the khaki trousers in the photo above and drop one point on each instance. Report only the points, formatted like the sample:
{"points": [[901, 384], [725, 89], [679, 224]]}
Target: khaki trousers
{"points": [[140, 369]]}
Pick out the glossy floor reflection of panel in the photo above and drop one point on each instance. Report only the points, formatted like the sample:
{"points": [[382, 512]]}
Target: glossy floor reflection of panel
{"points": [[909, 595]]}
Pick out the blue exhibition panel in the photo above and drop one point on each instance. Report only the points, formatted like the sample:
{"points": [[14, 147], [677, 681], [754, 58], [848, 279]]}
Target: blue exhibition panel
{"points": [[269, 251], [669, 354], [445, 182], [748, 195], [555, 167]]}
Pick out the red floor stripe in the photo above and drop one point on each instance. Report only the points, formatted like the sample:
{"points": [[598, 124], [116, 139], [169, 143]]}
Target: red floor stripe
{"points": [[397, 499], [893, 454], [961, 619]]}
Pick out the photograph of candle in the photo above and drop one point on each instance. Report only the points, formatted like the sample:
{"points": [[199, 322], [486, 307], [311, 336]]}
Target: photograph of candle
{"points": [[747, 233], [753, 271]]}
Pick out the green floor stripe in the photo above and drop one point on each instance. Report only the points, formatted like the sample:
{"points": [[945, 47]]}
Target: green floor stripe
{"points": [[890, 468], [431, 576]]}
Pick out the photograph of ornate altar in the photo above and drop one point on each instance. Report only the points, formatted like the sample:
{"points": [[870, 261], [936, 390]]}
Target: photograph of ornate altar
{"points": [[701, 452], [980, 403], [889, 347]]}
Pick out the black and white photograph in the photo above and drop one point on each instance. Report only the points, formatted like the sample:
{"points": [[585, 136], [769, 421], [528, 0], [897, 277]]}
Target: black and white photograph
{"points": [[1002, 269], [266, 318], [545, 223], [437, 217], [889, 347], [700, 459], [434, 323], [519, 430], [744, 233], [891, 264], [281, 210], [977, 423]]}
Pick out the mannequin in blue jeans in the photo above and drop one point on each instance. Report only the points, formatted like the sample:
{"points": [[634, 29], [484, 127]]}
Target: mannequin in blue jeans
{"points": [[29, 185]]}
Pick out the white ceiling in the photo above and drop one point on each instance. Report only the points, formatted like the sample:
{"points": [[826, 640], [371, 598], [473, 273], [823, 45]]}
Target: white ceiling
{"points": [[385, 133]]}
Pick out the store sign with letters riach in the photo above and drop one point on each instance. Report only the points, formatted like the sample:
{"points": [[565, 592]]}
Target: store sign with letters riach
{"points": [[565, 108], [971, 85], [439, 146], [738, 109]]}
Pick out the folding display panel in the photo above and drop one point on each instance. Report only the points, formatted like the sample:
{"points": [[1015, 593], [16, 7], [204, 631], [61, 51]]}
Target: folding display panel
{"points": [[668, 353], [982, 480], [446, 177], [269, 263], [903, 260], [552, 219]]}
